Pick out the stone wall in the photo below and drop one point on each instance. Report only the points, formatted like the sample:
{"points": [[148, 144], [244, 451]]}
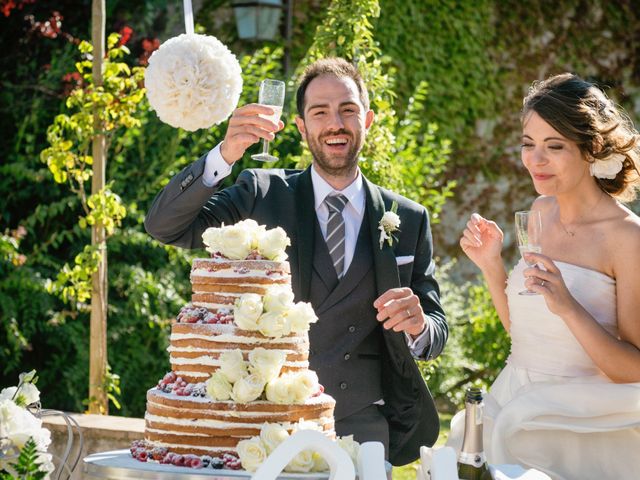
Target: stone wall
{"points": [[101, 433]]}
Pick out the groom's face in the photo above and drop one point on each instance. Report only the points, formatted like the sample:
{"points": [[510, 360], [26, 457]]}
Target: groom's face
{"points": [[335, 123]]}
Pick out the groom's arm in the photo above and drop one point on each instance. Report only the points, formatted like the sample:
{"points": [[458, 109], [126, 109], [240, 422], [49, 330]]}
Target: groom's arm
{"points": [[415, 309], [191, 202]]}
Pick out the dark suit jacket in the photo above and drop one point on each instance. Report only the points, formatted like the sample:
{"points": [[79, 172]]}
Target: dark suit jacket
{"points": [[186, 208]]}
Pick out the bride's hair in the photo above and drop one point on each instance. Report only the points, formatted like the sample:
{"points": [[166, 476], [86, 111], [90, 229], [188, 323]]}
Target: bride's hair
{"points": [[581, 112]]}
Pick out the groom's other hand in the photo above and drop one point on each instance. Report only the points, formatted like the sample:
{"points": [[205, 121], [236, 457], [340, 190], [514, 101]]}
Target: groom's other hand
{"points": [[399, 309], [247, 126]]}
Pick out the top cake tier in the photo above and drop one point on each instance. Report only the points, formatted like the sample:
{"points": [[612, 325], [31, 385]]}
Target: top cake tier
{"points": [[218, 282]]}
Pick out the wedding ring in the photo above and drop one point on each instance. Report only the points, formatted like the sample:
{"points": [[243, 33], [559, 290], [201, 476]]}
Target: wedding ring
{"points": [[408, 313], [542, 283]]}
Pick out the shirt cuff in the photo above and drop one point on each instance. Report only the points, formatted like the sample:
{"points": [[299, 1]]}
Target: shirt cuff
{"points": [[419, 345], [216, 168]]}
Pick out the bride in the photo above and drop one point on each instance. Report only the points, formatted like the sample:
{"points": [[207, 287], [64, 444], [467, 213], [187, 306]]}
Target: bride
{"points": [[568, 401]]}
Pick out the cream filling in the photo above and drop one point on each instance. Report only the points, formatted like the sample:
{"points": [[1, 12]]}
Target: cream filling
{"points": [[219, 424], [228, 338], [231, 273], [214, 362]]}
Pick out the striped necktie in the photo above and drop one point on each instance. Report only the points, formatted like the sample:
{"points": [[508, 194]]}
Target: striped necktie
{"points": [[335, 231]]}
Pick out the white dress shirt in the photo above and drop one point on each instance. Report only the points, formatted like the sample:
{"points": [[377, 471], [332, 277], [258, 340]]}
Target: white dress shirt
{"points": [[216, 169]]}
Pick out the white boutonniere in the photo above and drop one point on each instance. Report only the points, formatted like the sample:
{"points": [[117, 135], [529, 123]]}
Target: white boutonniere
{"points": [[389, 223]]}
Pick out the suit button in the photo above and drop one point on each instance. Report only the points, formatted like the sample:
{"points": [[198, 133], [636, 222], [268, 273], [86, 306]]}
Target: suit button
{"points": [[352, 329], [343, 385], [189, 178], [347, 356]]}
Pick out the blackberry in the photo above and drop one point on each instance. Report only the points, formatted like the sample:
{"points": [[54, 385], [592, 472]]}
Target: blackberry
{"points": [[216, 463]]}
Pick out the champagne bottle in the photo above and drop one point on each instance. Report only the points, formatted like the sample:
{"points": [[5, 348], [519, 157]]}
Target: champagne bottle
{"points": [[472, 464]]}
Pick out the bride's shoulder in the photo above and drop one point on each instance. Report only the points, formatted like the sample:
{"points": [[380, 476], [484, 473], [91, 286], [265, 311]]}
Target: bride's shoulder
{"points": [[543, 203], [623, 230]]}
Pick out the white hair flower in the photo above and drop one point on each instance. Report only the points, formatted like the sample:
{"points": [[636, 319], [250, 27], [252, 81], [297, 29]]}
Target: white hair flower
{"points": [[193, 81], [607, 167]]}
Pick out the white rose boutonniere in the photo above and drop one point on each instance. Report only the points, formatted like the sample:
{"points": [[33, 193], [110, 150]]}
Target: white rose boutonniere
{"points": [[389, 223]]}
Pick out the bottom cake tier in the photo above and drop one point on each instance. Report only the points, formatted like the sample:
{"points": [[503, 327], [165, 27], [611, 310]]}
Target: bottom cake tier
{"points": [[197, 425]]}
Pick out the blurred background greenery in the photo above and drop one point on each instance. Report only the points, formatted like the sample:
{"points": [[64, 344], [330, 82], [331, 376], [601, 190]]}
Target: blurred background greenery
{"points": [[446, 78]]}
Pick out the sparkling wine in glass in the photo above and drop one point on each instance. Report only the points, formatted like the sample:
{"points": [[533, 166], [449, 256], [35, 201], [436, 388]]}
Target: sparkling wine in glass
{"points": [[529, 236], [271, 95]]}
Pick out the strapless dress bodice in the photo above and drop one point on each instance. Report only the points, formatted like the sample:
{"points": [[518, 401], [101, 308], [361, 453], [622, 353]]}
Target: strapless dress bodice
{"points": [[540, 340]]}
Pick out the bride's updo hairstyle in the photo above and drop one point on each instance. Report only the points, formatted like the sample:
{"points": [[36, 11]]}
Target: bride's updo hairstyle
{"points": [[581, 112]]}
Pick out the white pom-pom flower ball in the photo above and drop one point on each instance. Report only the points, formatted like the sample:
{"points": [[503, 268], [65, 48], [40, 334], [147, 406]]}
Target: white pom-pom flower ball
{"points": [[193, 81]]}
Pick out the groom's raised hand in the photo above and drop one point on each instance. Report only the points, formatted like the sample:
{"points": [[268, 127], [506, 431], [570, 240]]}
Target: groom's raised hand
{"points": [[246, 127], [399, 309]]}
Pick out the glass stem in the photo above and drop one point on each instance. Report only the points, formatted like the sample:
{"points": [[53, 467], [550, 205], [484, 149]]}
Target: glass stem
{"points": [[265, 146]]}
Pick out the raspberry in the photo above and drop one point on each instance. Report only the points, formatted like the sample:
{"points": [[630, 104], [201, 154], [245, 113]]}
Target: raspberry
{"points": [[197, 463], [142, 456], [168, 458], [178, 460]]}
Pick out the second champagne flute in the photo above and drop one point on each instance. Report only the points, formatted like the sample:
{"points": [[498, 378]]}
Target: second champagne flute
{"points": [[529, 236], [272, 95]]}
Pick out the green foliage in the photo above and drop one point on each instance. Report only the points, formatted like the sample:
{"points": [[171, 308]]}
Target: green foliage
{"points": [[27, 466], [478, 344]]}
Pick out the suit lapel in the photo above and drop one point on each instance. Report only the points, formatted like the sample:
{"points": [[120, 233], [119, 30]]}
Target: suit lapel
{"points": [[384, 259], [306, 219]]}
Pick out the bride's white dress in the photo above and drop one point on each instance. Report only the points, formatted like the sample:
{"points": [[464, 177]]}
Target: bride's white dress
{"points": [[551, 408]]}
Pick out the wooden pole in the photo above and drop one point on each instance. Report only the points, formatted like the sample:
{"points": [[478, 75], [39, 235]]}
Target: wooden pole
{"points": [[98, 402]]}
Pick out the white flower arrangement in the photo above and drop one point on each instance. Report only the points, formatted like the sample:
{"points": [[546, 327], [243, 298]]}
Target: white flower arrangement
{"points": [[389, 223], [193, 81], [276, 315], [607, 167], [21, 430], [238, 241], [254, 451]]}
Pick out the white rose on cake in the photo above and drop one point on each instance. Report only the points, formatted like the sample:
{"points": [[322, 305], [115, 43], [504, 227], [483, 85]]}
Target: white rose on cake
{"points": [[303, 385], [251, 453], [301, 463], [247, 311], [279, 390], [279, 298], [272, 435], [300, 316], [253, 229], [266, 363], [319, 463], [247, 389], [232, 365], [274, 324], [273, 243], [236, 242], [218, 387], [212, 238]]}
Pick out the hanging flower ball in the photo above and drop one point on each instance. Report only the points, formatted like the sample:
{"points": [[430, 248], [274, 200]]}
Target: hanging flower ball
{"points": [[193, 81]]}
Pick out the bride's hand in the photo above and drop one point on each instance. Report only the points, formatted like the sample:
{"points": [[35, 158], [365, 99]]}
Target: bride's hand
{"points": [[549, 283], [481, 241]]}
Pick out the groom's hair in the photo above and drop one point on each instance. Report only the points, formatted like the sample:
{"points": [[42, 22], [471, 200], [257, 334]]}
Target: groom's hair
{"points": [[336, 66]]}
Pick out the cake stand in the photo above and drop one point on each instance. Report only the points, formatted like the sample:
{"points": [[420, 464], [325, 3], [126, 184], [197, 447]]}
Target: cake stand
{"points": [[120, 465]]}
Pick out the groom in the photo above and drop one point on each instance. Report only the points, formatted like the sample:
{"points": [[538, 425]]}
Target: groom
{"points": [[377, 302]]}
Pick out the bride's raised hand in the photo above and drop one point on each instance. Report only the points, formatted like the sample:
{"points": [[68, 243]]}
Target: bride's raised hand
{"points": [[548, 282], [481, 241]]}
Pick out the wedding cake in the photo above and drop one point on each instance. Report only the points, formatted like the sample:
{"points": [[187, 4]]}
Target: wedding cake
{"points": [[240, 381]]}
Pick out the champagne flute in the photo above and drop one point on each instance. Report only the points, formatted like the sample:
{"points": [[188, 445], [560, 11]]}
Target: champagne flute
{"points": [[529, 237], [271, 95]]}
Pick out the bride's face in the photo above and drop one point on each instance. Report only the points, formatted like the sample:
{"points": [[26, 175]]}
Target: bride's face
{"points": [[555, 163]]}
